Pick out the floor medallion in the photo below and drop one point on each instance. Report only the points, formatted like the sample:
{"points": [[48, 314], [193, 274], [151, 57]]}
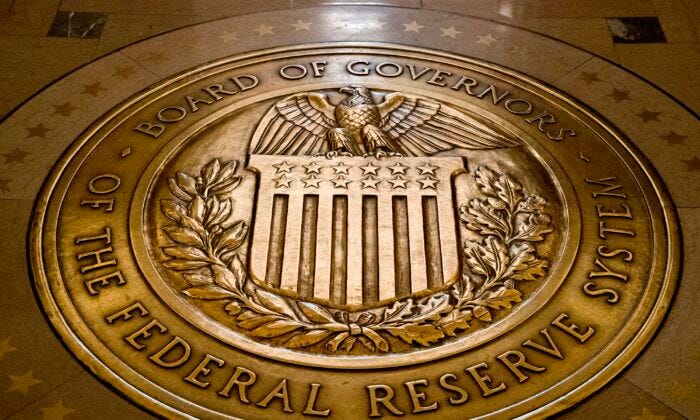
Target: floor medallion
{"points": [[354, 230]]}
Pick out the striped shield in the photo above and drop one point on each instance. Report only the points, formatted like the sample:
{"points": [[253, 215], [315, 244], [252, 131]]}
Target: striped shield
{"points": [[354, 231]]}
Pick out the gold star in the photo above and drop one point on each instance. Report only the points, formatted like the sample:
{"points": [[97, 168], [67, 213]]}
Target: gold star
{"points": [[647, 115], [485, 39], [672, 138], [124, 72], [3, 185], [264, 30], [647, 415], [56, 411], [369, 169], [427, 182], [5, 347], [620, 95], [693, 164], [301, 25], [398, 169], [427, 169], [589, 77], [340, 168], [376, 25], [15, 155], [22, 383], [282, 181], [283, 167], [341, 182], [520, 50], [370, 183], [93, 89], [38, 131], [155, 57], [313, 167], [63, 109], [413, 27], [311, 181], [227, 37], [398, 182], [451, 32]]}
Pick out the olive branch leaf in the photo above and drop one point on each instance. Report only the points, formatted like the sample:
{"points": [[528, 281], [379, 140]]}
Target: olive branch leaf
{"points": [[205, 245]]}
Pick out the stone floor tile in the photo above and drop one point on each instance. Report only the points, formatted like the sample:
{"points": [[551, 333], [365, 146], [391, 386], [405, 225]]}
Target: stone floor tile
{"points": [[398, 3], [692, 10], [670, 368], [670, 68], [675, 20], [590, 34], [41, 61], [28, 17], [531, 9], [123, 29], [177, 7], [621, 400]]}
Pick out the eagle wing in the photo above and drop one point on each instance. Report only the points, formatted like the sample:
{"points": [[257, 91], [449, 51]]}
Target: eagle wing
{"points": [[295, 125], [420, 126]]}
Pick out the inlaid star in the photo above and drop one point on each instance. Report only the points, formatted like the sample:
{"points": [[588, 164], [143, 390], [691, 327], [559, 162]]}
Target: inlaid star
{"points": [[370, 183], [376, 24], [340, 168], [520, 50], [38, 131], [301, 26], [451, 32], [264, 30], [589, 77], [398, 169], [16, 155], [647, 415], [413, 27], [313, 168], [283, 167], [485, 39], [398, 182], [311, 181], [56, 412], [427, 182], [227, 37], [282, 181], [619, 95], [124, 72], [93, 89], [5, 347], [369, 169], [63, 109], [340, 182], [693, 164], [4, 185], [155, 57], [647, 115], [672, 138], [22, 383], [427, 169]]}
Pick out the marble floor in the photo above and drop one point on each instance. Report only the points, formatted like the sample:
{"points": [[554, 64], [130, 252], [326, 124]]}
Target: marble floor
{"points": [[635, 60]]}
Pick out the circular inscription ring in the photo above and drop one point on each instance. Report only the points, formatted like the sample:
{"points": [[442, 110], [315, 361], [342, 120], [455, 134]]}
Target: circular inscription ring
{"points": [[330, 230]]}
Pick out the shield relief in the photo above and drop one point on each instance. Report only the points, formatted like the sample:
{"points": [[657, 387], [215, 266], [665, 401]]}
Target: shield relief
{"points": [[355, 231]]}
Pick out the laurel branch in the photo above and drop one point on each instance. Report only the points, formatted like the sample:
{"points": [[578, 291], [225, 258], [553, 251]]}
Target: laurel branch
{"points": [[206, 253]]}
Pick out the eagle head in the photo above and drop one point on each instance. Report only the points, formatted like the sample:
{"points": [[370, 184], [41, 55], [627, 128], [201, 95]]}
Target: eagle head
{"points": [[359, 95]]}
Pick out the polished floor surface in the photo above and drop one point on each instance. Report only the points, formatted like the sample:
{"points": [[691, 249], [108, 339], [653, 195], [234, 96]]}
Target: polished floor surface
{"points": [[635, 61]]}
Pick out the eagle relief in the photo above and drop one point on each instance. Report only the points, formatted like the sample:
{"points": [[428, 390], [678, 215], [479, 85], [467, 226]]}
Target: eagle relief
{"points": [[370, 231]]}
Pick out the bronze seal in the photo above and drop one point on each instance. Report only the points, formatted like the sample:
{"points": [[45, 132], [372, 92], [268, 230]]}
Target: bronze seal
{"points": [[354, 231]]}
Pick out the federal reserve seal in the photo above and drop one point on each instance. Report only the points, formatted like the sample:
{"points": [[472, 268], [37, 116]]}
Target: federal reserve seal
{"points": [[352, 231]]}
